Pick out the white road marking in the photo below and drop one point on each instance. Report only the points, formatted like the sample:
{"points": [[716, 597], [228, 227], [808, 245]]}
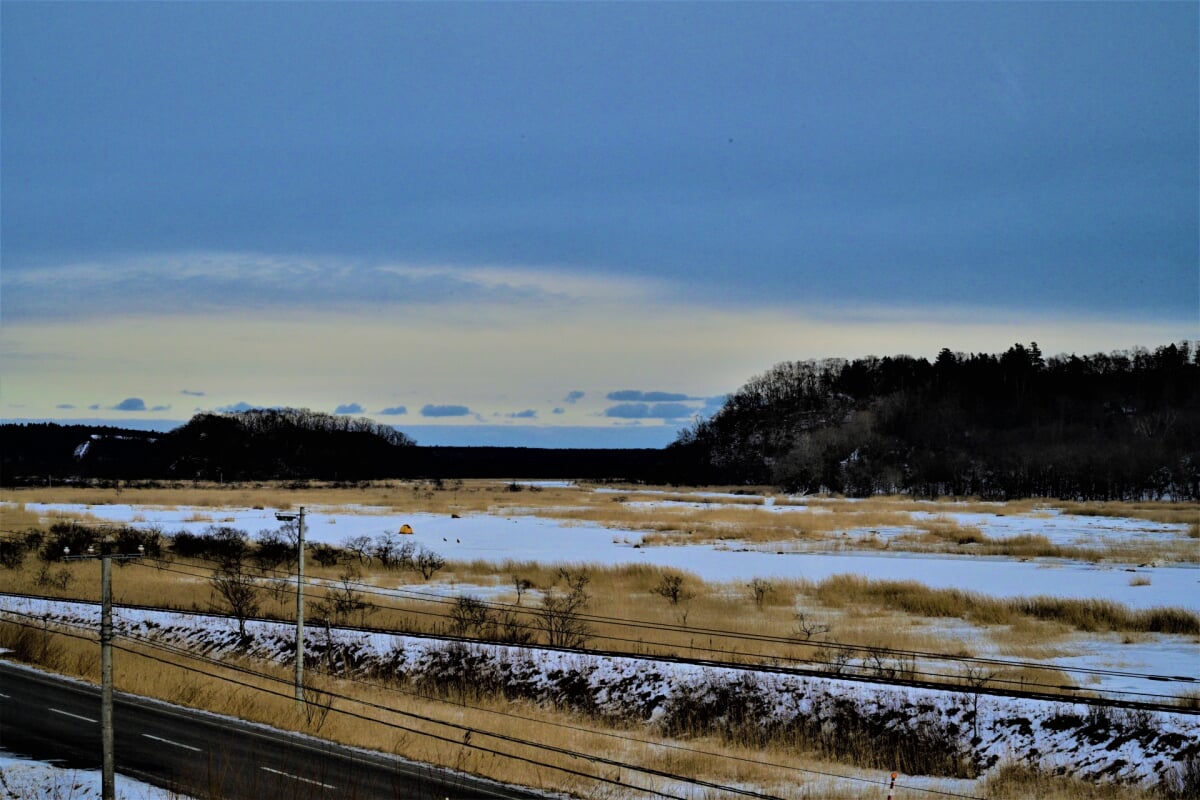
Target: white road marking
{"points": [[174, 744], [298, 778], [74, 716], [4, 696]]}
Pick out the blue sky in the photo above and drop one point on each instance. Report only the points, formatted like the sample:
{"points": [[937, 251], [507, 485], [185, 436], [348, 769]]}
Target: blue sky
{"points": [[554, 224]]}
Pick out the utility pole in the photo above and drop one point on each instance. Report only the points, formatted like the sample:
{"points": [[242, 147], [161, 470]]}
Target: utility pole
{"points": [[107, 779], [108, 763], [299, 518]]}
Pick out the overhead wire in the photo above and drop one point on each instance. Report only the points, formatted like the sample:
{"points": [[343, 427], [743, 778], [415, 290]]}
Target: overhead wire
{"points": [[464, 729], [368, 589], [983, 684], [972, 682], [183, 652]]}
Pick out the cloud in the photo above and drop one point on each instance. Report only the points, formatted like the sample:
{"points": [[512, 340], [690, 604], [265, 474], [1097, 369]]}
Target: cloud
{"points": [[191, 393], [573, 397], [559, 410], [64, 405], [161, 408], [430, 410], [349, 408], [94, 407], [206, 281], [130, 404], [648, 411], [528, 413], [671, 411], [394, 411], [628, 411], [635, 396]]}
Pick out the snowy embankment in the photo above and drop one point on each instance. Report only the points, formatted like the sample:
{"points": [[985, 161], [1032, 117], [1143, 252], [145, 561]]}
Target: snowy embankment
{"points": [[25, 779], [972, 733]]}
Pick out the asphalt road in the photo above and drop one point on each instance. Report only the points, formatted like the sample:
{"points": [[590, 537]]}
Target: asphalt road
{"points": [[56, 720]]}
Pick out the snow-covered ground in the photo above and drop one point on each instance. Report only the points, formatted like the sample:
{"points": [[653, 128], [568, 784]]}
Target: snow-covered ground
{"points": [[1092, 743], [25, 779], [524, 537], [497, 539]]}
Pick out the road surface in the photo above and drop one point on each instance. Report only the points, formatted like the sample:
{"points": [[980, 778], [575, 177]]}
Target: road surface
{"points": [[56, 720]]}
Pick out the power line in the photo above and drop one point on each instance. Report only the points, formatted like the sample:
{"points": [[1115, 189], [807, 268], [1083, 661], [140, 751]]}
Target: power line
{"points": [[466, 730], [1166, 702], [969, 660], [185, 653], [829, 645]]}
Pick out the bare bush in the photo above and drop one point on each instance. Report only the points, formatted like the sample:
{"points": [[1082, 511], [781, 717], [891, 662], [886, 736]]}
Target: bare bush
{"points": [[671, 588], [232, 583], [522, 585], [344, 600], [359, 547], [561, 611], [59, 579], [427, 562], [316, 707], [471, 615], [759, 589], [809, 628]]}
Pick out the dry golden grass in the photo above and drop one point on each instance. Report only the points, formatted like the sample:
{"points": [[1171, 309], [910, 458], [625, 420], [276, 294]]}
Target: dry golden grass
{"points": [[1017, 779], [862, 615], [390, 719], [1092, 615], [718, 514], [857, 612], [1161, 511]]}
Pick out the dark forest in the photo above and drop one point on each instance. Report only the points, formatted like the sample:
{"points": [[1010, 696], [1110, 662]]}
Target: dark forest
{"points": [[1115, 426]]}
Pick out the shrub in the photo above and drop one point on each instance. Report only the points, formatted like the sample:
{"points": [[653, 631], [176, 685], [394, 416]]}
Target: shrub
{"points": [[12, 553], [561, 611]]}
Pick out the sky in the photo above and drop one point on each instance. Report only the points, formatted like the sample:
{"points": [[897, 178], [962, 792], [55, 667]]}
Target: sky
{"points": [[575, 224]]}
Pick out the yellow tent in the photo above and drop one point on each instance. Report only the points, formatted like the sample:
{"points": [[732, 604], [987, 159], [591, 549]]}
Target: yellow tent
{"points": [[406, 528]]}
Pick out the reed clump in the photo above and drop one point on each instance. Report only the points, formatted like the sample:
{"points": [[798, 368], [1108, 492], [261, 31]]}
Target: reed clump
{"points": [[1089, 615]]}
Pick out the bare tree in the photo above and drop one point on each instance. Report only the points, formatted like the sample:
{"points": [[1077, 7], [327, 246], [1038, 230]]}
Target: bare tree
{"points": [[274, 548], [343, 600], [385, 548], [232, 582], [671, 588], [470, 614], [976, 678], [404, 555], [522, 585], [560, 615], [360, 546], [239, 590], [428, 562]]}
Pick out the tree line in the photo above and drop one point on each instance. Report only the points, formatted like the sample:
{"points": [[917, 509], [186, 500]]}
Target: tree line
{"points": [[289, 445], [1110, 426], [1123, 425]]}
